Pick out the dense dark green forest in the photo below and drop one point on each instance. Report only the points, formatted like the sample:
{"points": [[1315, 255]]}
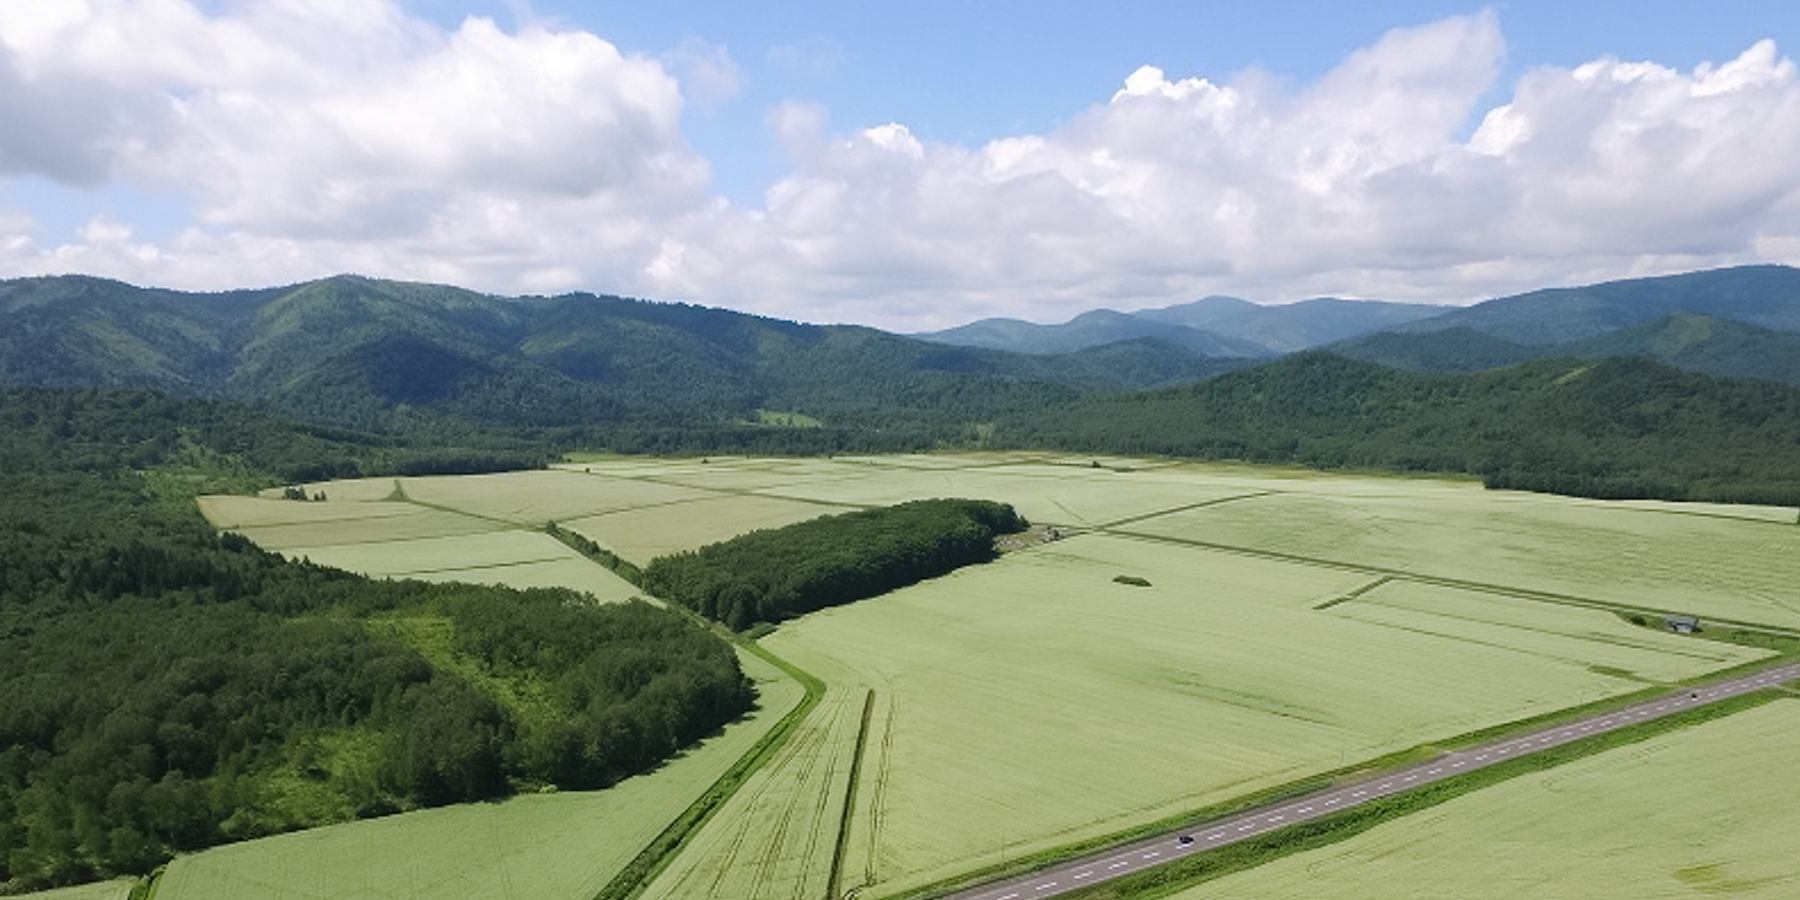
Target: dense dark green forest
{"points": [[1617, 428], [774, 574], [164, 688], [417, 359]]}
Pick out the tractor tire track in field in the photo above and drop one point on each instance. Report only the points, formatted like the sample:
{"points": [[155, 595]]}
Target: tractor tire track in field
{"points": [[800, 763], [776, 833], [1157, 514], [834, 885], [878, 795], [751, 798], [822, 807]]}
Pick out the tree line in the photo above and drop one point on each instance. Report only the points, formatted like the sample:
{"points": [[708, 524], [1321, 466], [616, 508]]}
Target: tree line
{"points": [[165, 688], [774, 574]]}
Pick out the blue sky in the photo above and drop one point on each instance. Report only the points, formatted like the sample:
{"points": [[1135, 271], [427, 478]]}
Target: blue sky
{"points": [[910, 166], [969, 73]]}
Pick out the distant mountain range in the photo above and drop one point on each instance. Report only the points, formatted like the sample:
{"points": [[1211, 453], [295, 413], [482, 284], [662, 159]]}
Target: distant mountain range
{"points": [[1213, 326], [1740, 322], [370, 354], [1527, 391]]}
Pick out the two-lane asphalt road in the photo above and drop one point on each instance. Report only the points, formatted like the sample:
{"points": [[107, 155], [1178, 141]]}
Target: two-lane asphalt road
{"points": [[1149, 852]]}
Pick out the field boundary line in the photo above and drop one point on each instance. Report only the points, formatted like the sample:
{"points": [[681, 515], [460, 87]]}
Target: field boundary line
{"points": [[1442, 581], [1181, 509], [1354, 594], [502, 565], [834, 884], [410, 500]]}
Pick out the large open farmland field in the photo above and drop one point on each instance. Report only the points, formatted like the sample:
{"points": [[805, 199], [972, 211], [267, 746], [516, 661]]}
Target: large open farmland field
{"points": [[1036, 702], [1294, 623], [1703, 812], [539, 847], [1738, 567], [377, 528]]}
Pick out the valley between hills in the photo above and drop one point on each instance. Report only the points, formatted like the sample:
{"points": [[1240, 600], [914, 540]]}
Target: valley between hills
{"points": [[360, 588]]}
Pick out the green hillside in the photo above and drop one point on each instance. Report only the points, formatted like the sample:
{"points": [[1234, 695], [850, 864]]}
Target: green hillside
{"points": [[1764, 296], [384, 356], [1687, 341], [1613, 428]]}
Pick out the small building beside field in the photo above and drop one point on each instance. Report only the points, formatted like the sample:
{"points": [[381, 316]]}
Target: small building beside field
{"points": [[1681, 624]]}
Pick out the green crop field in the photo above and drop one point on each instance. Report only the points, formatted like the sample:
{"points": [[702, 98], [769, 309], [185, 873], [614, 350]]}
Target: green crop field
{"points": [[102, 890], [1741, 567], [539, 847], [1293, 623], [776, 837], [398, 538], [641, 535], [1706, 811], [1038, 702]]}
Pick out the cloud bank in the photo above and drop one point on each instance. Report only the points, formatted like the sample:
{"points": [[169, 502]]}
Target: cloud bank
{"points": [[309, 137]]}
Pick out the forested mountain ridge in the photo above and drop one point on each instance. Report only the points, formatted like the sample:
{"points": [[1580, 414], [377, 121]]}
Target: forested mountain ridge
{"points": [[1212, 326], [1689, 341], [1616, 428], [378, 355], [385, 356], [1766, 296]]}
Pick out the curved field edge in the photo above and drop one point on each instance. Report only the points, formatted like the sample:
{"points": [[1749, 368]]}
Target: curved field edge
{"points": [[1197, 869], [531, 847]]}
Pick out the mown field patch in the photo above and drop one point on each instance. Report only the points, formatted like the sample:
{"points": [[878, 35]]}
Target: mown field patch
{"points": [[641, 535], [1072, 496], [385, 525]]}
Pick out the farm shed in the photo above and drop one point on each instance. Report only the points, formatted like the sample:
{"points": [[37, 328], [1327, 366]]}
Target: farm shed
{"points": [[1681, 624]]}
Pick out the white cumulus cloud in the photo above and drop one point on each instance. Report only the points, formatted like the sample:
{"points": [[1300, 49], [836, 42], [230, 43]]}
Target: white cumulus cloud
{"points": [[310, 137], [314, 136]]}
